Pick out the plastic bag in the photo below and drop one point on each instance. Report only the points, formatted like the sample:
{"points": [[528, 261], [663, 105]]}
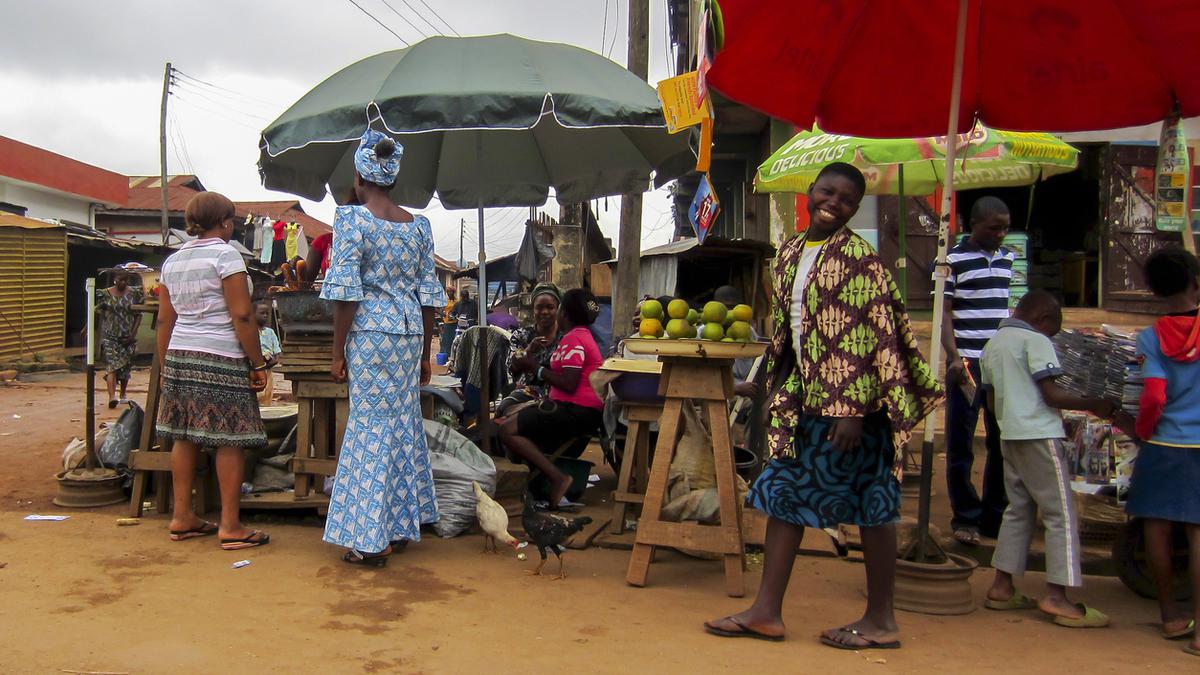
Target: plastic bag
{"points": [[122, 437], [456, 462]]}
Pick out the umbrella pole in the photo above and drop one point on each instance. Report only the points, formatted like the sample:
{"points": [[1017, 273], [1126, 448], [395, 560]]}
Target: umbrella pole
{"points": [[939, 285], [902, 258], [90, 391], [484, 370]]}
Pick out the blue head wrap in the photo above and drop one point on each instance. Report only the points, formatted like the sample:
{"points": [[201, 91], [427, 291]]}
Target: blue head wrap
{"points": [[372, 168]]}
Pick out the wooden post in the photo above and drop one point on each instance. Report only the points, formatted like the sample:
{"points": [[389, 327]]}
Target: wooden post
{"points": [[566, 268], [629, 252], [162, 149]]}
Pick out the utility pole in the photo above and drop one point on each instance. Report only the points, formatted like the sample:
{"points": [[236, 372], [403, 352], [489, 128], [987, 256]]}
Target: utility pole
{"points": [[162, 149], [462, 226], [629, 253]]}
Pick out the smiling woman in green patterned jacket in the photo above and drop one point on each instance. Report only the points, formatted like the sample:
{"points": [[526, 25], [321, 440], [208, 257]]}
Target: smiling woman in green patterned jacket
{"points": [[847, 385]]}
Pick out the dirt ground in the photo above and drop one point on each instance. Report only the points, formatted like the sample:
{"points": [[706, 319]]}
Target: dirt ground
{"points": [[87, 596]]}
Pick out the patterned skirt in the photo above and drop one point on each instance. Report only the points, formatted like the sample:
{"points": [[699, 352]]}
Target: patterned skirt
{"points": [[206, 399], [824, 486], [383, 490], [118, 355]]}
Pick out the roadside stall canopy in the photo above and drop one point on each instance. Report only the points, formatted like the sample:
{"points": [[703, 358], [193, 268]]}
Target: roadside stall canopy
{"points": [[691, 270]]}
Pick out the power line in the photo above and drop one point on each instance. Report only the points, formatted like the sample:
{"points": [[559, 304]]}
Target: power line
{"points": [[439, 17], [382, 24], [405, 18], [436, 30], [604, 30], [616, 22], [238, 94], [213, 112], [176, 132], [224, 105]]}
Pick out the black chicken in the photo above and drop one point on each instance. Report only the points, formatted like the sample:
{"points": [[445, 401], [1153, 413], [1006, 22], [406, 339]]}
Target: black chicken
{"points": [[549, 531]]}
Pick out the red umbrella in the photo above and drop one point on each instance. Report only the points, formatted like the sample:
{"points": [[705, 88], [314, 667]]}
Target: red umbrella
{"points": [[883, 68], [904, 68]]}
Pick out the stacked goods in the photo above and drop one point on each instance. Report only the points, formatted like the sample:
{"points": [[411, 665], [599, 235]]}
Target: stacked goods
{"points": [[1100, 365], [714, 322], [1018, 243]]}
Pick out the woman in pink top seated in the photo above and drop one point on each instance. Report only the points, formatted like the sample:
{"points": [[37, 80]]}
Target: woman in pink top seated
{"points": [[573, 409]]}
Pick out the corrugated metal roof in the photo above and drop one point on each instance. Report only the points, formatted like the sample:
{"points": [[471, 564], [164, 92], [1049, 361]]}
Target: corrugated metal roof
{"points": [[145, 194], [13, 220]]}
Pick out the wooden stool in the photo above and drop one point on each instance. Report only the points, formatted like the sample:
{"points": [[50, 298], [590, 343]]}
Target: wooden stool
{"points": [[635, 460], [323, 410], [687, 380]]}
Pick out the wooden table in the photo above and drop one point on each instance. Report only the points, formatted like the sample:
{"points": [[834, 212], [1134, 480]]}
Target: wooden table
{"points": [[323, 408], [694, 372]]}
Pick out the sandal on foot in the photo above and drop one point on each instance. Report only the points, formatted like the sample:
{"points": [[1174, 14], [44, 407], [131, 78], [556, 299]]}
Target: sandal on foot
{"points": [[112, 403], [967, 536], [1092, 618], [869, 643], [1182, 632], [1017, 601], [206, 529], [743, 631], [356, 557], [255, 538], [1187, 649]]}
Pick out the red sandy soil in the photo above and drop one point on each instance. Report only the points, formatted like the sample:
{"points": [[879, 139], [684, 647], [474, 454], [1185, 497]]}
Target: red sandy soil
{"points": [[87, 595]]}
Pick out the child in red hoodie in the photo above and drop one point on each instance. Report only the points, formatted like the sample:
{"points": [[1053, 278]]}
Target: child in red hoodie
{"points": [[1165, 487]]}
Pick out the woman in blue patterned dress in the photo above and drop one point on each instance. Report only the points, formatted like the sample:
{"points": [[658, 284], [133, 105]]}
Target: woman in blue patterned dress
{"points": [[382, 281]]}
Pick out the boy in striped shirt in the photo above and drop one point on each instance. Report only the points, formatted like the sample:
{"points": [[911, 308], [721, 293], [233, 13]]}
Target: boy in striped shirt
{"points": [[976, 301]]}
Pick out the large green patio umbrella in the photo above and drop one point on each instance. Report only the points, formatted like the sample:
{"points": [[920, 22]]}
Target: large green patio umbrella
{"points": [[916, 166], [486, 121]]}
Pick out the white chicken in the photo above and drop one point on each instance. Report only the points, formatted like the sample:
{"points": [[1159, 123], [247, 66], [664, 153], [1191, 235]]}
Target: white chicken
{"points": [[493, 519]]}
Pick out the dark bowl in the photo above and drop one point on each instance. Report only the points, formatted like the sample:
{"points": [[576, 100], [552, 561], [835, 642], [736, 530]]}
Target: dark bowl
{"points": [[637, 387]]}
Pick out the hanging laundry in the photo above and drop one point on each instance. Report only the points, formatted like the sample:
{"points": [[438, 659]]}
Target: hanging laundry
{"points": [[291, 247], [302, 245], [263, 240]]}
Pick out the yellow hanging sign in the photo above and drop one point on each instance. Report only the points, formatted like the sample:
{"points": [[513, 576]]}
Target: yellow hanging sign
{"points": [[678, 97]]}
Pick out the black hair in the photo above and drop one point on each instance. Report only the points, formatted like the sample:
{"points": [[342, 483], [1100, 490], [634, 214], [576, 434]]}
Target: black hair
{"points": [[731, 294], [988, 206], [664, 300], [847, 171], [1037, 301], [580, 306], [1170, 271], [385, 148]]}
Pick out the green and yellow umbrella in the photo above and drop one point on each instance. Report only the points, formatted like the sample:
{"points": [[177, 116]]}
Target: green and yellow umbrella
{"points": [[915, 167], [984, 158]]}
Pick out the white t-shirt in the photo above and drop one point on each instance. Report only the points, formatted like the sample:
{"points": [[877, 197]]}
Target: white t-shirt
{"points": [[193, 277], [807, 258]]}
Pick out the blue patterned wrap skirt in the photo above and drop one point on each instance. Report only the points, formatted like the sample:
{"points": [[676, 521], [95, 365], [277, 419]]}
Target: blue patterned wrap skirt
{"points": [[824, 486], [383, 490]]}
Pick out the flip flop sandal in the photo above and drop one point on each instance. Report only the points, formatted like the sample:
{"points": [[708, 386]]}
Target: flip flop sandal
{"points": [[1182, 632], [1092, 618], [1190, 650], [1017, 601], [246, 542], [967, 537], [743, 632], [206, 529], [355, 557], [870, 644]]}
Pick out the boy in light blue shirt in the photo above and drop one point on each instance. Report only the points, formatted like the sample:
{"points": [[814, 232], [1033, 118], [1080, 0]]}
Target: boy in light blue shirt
{"points": [[1019, 367]]}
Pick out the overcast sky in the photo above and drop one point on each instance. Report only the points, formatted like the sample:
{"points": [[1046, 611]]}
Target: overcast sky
{"points": [[84, 79]]}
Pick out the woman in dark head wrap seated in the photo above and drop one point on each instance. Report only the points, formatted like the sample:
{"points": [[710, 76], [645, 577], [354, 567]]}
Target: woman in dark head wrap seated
{"points": [[537, 341]]}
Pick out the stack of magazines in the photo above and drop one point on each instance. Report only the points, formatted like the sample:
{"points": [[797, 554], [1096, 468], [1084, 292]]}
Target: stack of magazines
{"points": [[1100, 364]]}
